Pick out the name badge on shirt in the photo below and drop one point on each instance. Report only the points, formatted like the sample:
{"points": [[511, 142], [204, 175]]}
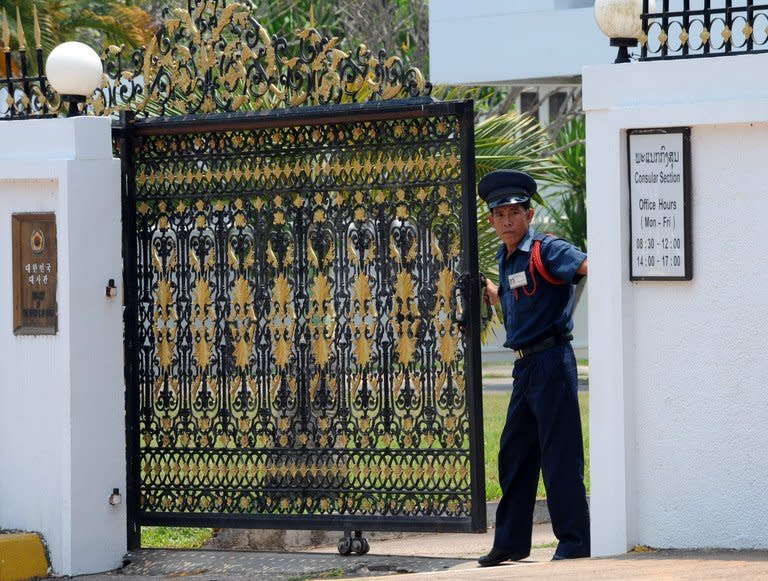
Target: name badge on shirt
{"points": [[517, 280]]}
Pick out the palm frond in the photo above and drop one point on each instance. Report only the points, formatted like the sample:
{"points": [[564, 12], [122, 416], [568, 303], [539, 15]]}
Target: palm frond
{"points": [[480, 95], [512, 141], [565, 196], [92, 21], [128, 25]]}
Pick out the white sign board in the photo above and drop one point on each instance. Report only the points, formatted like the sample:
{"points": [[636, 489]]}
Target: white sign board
{"points": [[659, 203]]}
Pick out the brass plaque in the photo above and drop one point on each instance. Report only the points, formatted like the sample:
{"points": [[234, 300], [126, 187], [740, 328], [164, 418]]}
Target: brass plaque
{"points": [[34, 274]]}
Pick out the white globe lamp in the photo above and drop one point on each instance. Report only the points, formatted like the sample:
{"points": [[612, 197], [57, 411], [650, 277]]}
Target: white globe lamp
{"points": [[74, 70], [620, 21]]}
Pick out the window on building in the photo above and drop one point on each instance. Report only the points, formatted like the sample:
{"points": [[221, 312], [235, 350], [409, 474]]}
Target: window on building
{"points": [[557, 105], [529, 103]]}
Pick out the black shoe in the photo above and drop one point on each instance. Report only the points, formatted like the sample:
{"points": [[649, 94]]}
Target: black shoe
{"points": [[557, 557], [497, 557]]}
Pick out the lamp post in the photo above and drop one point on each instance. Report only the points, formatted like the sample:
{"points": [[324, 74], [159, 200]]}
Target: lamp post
{"points": [[620, 21], [74, 70]]}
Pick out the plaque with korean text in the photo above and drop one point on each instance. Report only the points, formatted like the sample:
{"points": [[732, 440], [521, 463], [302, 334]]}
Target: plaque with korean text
{"points": [[35, 311], [660, 203]]}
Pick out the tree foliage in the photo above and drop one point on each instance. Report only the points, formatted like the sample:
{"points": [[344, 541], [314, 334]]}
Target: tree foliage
{"points": [[565, 198], [398, 26], [95, 22]]}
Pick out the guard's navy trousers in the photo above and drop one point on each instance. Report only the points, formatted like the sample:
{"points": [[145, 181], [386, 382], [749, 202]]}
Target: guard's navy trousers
{"points": [[543, 430]]}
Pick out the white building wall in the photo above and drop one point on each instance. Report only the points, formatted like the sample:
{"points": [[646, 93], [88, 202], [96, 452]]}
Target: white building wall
{"points": [[533, 41], [679, 412], [62, 427]]}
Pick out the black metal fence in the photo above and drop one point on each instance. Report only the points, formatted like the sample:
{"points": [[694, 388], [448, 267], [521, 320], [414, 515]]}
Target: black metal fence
{"points": [[683, 29], [209, 58], [24, 89]]}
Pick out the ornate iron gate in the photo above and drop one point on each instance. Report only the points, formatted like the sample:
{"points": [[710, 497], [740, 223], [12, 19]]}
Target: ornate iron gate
{"points": [[301, 287], [296, 354]]}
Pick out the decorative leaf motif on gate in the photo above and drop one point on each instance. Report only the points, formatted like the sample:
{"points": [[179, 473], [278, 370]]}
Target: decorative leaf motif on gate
{"points": [[447, 334], [405, 317], [218, 58], [322, 319], [363, 315], [242, 323], [283, 319], [202, 315]]}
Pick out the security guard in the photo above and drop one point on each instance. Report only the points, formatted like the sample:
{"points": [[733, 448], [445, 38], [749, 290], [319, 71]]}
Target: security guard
{"points": [[543, 429]]}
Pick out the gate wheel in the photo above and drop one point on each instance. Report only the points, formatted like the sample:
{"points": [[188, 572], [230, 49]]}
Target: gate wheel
{"points": [[357, 544], [344, 546], [360, 544]]}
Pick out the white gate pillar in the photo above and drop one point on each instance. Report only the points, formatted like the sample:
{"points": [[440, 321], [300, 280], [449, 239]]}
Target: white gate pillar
{"points": [[62, 416], [678, 404]]}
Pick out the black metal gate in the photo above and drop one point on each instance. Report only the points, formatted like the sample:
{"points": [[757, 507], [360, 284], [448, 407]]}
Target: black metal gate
{"points": [[294, 294], [300, 271]]}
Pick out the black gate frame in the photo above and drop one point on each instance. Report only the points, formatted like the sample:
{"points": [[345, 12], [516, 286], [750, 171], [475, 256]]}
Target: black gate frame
{"points": [[126, 130]]}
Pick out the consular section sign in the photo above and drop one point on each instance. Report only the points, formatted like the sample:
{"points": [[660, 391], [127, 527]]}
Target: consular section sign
{"points": [[659, 203]]}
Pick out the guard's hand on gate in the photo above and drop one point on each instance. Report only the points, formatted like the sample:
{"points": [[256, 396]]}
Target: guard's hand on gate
{"points": [[491, 291]]}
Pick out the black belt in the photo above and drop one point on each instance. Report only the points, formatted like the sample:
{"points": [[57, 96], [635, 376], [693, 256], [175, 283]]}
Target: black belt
{"points": [[542, 345]]}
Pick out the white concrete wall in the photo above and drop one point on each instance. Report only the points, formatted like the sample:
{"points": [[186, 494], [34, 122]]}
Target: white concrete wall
{"points": [[678, 405], [62, 427], [533, 41]]}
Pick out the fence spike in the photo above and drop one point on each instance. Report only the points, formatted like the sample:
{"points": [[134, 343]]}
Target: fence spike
{"points": [[20, 31], [6, 32], [38, 43]]}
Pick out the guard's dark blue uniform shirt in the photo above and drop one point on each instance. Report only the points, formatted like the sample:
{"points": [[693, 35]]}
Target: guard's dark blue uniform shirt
{"points": [[532, 315]]}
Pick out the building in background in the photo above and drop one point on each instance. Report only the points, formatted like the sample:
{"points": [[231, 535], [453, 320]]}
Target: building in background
{"points": [[674, 424], [537, 46], [524, 42]]}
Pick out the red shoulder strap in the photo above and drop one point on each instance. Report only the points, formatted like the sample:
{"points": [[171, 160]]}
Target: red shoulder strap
{"points": [[538, 264]]}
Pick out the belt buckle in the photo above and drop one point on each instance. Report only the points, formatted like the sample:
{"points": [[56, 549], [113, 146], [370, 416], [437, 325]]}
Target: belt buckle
{"points": [[519, 354]]}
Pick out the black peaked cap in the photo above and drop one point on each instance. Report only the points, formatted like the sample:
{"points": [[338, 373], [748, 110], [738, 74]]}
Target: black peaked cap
{"points": [[506, 186]]}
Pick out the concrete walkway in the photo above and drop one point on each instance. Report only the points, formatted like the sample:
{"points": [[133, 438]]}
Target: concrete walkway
{"points": [[408, 554], [433, 557], [656, 565]]}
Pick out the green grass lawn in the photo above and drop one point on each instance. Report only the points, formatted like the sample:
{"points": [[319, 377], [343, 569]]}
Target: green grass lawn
{"points": [[174, 537], [494, 414]]}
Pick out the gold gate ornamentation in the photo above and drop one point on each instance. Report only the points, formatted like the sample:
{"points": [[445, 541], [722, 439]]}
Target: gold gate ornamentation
{"points": [[297, 350]]}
